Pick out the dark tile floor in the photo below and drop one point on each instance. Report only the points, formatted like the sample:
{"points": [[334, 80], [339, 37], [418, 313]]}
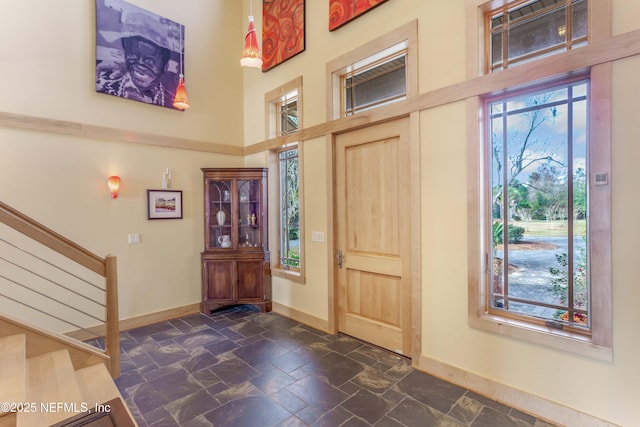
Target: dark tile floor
{"points": [[242, 368]]}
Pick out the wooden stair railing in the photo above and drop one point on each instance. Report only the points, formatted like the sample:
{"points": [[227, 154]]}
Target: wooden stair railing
{"points": [[105, 267]]}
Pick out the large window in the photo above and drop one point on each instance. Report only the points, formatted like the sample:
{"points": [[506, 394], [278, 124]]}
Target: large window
{"points": [[521, 31], [539, 162], [539, 175]]}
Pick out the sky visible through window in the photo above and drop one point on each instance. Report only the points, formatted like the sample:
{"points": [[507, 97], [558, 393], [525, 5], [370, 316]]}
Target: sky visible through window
{"points": [[538, 155]]}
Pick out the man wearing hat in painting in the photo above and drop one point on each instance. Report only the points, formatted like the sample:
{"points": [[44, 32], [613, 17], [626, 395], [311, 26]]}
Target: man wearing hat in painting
{"points": [[140, 71]]}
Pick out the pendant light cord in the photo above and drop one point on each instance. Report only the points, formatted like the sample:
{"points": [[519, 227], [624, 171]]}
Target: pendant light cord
{"points": [[181, 52]]}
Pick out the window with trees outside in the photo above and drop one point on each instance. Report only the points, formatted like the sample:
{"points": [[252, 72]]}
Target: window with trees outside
{"points": [[539, 190], [284, 105], [289, 208], [537, 157]]}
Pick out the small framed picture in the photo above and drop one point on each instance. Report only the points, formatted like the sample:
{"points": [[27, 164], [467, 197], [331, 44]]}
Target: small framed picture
{"points": [[164, 204]]}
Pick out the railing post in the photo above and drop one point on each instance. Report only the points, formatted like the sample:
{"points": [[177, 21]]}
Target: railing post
{"points": [[112, 336]]}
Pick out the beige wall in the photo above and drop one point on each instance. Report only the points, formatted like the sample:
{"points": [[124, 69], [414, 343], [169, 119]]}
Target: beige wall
{"points": [[47, 69], [601, 389], [51, 61]]}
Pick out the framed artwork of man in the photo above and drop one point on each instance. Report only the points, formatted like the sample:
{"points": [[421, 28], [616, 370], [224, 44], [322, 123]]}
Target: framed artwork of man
{"points": [[138, 53]]}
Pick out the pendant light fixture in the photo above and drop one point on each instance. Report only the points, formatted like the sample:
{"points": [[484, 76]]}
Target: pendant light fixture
{"points": [[251, 55], [181, 101]]}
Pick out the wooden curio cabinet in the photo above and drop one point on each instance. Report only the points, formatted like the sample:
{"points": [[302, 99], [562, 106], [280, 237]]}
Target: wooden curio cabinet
{"points": [[235, 262]]}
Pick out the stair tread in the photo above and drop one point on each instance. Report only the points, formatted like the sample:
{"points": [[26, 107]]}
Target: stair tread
{"points": [[96, 385], [12, 369], [51, 379]]}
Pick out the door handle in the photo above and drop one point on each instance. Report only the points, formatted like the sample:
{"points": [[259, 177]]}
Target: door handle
{"points": [[340, 258]]}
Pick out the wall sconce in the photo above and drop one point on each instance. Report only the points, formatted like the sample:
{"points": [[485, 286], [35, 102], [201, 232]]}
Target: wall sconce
{"points": [[113, 182]]}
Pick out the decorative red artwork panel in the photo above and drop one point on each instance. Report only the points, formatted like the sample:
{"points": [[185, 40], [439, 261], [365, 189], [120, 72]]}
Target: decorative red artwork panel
{"points": [[282, 31], [343, 11]]}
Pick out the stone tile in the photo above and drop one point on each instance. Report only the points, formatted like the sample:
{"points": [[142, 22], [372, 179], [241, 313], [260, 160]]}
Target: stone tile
{"points": [[317, 393], [344, 345], [310, 414], [500, 407], [142, 360], [128, 379], [149, 330], [199, 421], [141, 348], [168, 354], [466, 410], [410, 412], [240, 367], [293, 421], [234, 371], [289, 401], [489, 417], [259, 352], [522, 416], [367, 406], [290, 361], [197, 320], [158, 392], [333, 418], [248, 329], [152, 372], [157, 416], [198, 339], [198, 403], [336, 368], [388, 422], [431, 391], [239, 391], [220, 347], [203, 359], [205, 378], [258, 411], [356, 422], [350, 388], [374, 380], [273, 381]]}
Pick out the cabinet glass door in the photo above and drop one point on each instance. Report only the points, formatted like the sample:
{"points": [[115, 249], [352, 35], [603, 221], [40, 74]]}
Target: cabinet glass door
{"points": [[250, 218], [220, 197]]}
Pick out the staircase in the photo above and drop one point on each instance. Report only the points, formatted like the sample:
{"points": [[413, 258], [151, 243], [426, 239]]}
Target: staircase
{"points": [[48, 390], [48, 378]]}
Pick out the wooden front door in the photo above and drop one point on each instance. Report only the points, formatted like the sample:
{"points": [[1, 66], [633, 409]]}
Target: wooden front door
{"points": [[373, 234]]}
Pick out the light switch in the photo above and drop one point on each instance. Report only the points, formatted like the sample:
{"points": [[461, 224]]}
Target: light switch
{"points": [[317, 236], [134, 238]]}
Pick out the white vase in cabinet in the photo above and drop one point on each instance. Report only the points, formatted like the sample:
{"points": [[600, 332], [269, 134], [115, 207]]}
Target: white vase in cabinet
{"points": [[221, 216]]}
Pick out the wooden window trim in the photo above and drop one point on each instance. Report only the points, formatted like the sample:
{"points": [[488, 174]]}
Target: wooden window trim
{"points": [[337, 67], [277, 269], [599, 345], [272, 101]]}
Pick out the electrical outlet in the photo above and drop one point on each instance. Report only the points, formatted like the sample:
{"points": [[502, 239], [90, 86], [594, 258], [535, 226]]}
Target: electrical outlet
{"points": [[317, 236], [134, 238]]}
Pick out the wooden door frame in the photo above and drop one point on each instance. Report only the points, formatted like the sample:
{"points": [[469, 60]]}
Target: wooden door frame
{"points": [[416, 240]]}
